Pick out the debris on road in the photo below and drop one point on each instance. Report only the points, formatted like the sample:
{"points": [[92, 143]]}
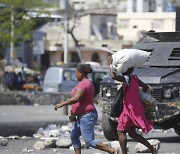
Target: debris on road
{"points": [[142, 148], [3, 141]]}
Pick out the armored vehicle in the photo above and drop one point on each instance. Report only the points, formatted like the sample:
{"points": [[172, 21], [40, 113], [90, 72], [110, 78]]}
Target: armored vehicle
{"points": [[162, 72]]}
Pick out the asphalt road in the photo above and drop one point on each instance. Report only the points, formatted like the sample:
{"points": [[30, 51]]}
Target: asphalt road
{"points": [[25, 118], [169, 145]]}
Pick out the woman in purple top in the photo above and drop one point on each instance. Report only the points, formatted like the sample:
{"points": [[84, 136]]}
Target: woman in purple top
{"points": [[83, 108]]}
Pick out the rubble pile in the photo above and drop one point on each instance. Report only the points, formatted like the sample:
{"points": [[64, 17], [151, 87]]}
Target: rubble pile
{"points": [[54, 131], [58, 136]]}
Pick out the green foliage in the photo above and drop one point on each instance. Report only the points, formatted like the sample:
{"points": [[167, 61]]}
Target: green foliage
{"points": [[22, 24]]}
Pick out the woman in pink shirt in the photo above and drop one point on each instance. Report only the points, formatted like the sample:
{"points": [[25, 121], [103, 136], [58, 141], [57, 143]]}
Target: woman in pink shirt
{"points": [[83, 108]]}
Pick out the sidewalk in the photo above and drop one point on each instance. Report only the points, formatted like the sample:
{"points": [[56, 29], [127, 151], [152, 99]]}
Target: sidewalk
{"points": [[26, 120]]}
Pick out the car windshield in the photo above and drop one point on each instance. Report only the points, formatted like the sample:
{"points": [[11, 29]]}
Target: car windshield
{"points": [[97, 76], [69, 75], [52, 75]]}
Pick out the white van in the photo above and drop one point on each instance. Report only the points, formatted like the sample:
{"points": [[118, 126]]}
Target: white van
{"points": [[59, 79]]}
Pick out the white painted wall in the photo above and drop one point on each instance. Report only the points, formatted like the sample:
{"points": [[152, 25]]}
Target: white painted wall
{"points": [[144, 21]]}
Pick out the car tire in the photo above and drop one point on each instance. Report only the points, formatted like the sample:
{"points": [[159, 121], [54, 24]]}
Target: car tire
{"points": [[109, 128]]}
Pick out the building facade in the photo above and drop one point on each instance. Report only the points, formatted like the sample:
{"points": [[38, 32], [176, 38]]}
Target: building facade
{"points": [[131, 26], [93, 35]]}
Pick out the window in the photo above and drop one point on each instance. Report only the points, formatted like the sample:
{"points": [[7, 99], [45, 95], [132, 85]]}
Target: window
{"points": [[75, 57], [69, 75], [95, 57], [135, 26], [99, 76]]}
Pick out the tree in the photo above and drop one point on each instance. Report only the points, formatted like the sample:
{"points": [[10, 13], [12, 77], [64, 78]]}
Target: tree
{"points": [[15, 24]]}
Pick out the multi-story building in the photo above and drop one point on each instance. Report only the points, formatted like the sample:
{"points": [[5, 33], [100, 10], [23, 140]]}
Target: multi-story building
{"points": [[150, 5], [93, 32], [131, 26], [103, 23]]}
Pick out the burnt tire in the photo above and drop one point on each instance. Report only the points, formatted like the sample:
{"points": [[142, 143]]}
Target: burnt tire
{"points": [[109, 128]]}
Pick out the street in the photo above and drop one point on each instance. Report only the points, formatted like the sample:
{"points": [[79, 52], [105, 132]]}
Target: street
{"points": [[60, 57], [31, 118], [169, 145]]}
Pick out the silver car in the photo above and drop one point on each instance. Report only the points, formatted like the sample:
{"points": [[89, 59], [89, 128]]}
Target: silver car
{"points": [[59, 79]]}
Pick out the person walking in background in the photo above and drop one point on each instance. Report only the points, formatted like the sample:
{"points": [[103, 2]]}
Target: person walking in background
{"points": [[132, 115], [83, 112], [9, 80], [23, 76]]}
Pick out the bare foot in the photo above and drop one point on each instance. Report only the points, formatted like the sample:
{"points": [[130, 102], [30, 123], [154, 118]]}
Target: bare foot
{"points": [[114, 151], [155, 150]]}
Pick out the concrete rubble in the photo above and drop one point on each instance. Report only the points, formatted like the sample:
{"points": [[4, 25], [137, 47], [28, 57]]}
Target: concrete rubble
{"points": [[3, 142], [140, 148], [26, 150], [56, 136], [53, 136]]}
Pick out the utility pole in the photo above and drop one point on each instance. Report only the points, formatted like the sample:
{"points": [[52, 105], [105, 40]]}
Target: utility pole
{"points": [[12, 35], [64, 7]]}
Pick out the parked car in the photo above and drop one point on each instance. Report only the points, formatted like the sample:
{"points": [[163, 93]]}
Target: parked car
{"points": [[63, 78], [98, 73], [59, 79], [162, 73]]}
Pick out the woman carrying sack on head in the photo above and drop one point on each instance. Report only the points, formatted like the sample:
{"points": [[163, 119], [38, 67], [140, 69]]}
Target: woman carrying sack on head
{"points": [[132, 115], [83, 108]]}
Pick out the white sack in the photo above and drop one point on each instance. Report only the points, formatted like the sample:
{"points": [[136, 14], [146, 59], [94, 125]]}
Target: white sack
{"points": [[127, 58]]}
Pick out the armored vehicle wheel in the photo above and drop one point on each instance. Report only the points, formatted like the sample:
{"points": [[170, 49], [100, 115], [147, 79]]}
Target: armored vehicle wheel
{"points": [[109, 128], [177, 128]]}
